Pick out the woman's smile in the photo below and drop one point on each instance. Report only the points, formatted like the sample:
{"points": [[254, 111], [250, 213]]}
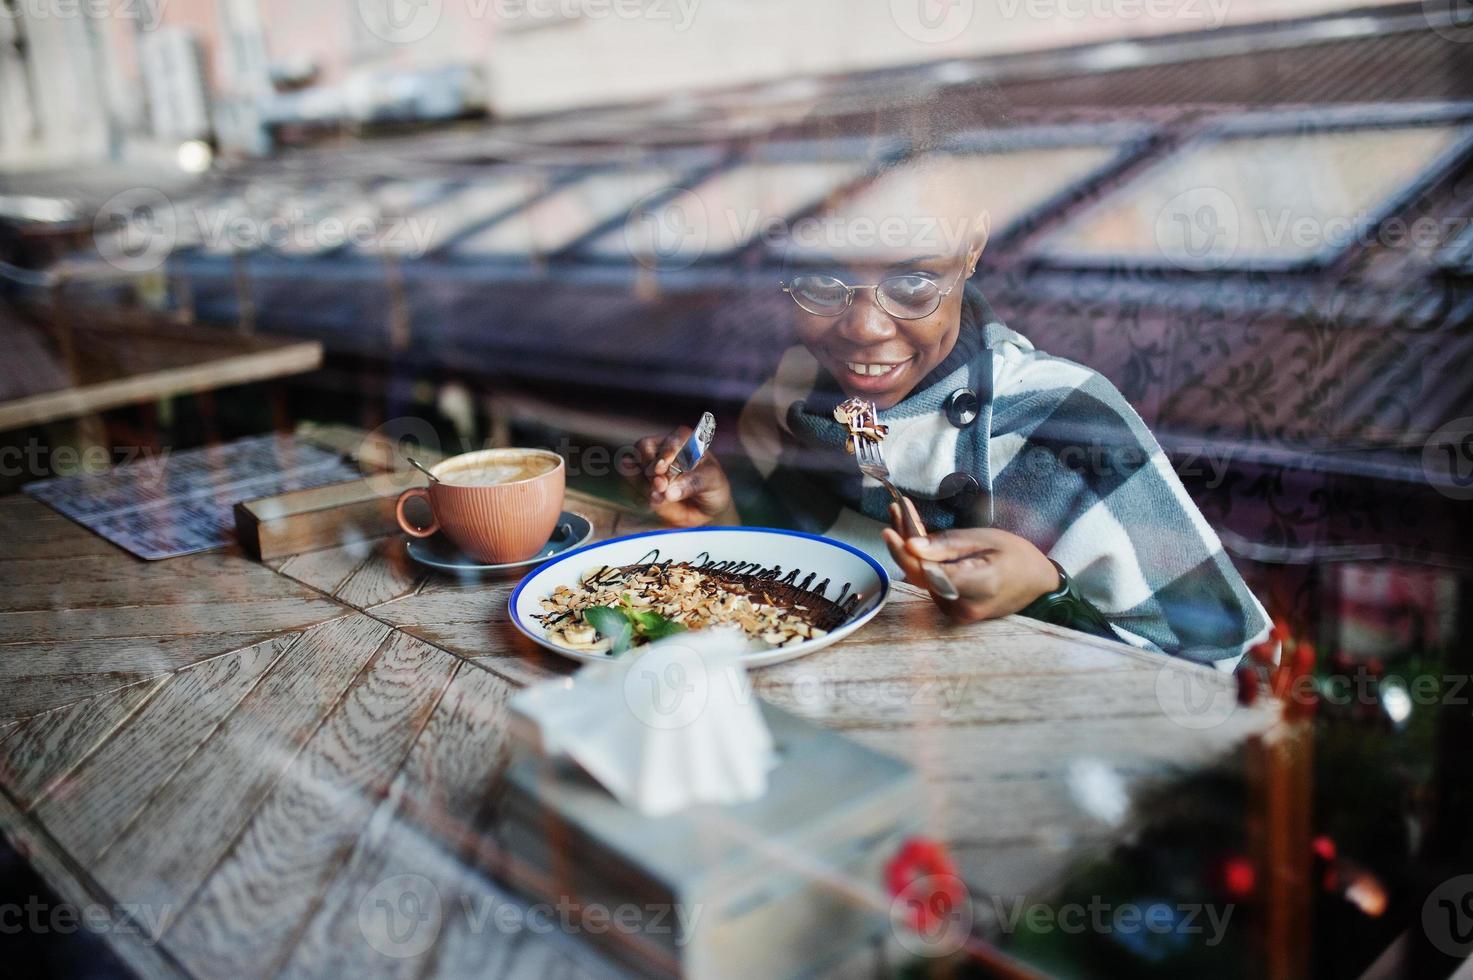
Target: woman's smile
{"points": [[871, 375]]}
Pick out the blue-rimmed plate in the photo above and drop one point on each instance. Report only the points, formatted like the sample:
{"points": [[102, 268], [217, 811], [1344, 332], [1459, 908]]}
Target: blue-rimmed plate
{"points": [[439, 552], [828, 559]]}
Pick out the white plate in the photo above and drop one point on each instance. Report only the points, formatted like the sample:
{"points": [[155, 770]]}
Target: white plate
{"points": [[828, 559]]}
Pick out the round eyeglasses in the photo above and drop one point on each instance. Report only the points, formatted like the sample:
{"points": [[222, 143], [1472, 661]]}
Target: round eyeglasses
{"points": [[909, 297]]}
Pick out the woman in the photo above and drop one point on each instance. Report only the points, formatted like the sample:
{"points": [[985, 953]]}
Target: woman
{"points": [[1044, 491]]}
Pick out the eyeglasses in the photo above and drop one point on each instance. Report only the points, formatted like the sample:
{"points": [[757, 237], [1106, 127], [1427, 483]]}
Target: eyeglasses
{"points": [[909, 297]]}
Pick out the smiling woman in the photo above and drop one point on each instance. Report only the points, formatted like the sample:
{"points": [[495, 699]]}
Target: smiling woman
{"points": [[1047, 493]]}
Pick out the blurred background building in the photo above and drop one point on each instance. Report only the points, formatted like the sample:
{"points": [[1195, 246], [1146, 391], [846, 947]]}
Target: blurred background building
{"points": [[86, 80]]}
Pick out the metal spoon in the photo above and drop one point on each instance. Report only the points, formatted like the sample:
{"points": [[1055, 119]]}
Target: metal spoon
{"points": [[422, 468]]}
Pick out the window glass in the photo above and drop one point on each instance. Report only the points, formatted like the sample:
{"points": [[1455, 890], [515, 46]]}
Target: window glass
{"points": [[566, 215], [726, 211], [1459, 252], [1002, 187], [421, 216], [1278, 199]]}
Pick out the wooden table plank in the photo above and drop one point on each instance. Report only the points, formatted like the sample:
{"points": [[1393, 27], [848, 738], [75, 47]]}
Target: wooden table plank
{"points": [[103, 582], [267, 887], [424, 842], [499, 648], [80, 617], [104, 795], [939, 649], [326, 569], [33, 530], [48, 746], [49, 675], [74, 886], [975, 700], [177, 619], [484, 602], [472, 622], [533, 957], [387, 571], [387, 574], [967, 805], [176, 840]]}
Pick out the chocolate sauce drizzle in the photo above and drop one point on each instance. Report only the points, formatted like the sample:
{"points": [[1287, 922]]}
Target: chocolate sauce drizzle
{"points": [[757, 571], [745, 571]]}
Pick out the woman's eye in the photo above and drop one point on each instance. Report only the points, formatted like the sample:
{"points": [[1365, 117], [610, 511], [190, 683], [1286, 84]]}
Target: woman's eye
{"points": [[910, 286], [823, 286]]}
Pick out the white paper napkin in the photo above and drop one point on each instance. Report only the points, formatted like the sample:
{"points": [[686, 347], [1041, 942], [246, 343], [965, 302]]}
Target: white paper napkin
{"points": [[673, 724]]}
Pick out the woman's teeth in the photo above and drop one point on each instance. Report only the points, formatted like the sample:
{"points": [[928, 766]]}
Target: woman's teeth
{"points": [[870, 370]]}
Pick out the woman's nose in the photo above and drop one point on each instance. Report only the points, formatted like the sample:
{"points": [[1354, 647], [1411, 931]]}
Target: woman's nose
{"points": [[864, 322]]}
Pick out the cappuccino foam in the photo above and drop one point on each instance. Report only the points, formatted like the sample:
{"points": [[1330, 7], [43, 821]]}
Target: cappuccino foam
{"points": [[508, 469]]}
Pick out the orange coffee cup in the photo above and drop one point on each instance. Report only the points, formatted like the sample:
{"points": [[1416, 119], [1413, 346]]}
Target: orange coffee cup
{"points": [[497, 505]]}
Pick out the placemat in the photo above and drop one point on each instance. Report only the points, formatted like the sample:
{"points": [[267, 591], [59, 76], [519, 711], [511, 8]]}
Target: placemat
{"points": [[180, 503]]}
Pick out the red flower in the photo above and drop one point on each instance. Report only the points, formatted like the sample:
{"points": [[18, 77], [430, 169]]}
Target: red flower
{"points": [[1239, 876], [924, 875]]}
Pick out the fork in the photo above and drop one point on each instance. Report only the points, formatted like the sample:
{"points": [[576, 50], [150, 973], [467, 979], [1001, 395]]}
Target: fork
{"points": [[872, 464]]}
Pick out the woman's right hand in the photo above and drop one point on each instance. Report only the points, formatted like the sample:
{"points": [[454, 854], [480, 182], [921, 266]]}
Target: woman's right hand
{"points": [[698, 496]]}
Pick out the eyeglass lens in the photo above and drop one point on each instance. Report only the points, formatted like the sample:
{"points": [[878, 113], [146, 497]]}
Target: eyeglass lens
{"points": [[907, 297]]}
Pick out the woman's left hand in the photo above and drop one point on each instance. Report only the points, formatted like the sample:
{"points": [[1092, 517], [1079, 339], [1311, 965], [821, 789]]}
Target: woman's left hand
{"points": [[996, 572]]}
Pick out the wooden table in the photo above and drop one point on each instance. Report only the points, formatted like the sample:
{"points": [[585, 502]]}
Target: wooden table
{"points": [[241, 763], [93, 367]]}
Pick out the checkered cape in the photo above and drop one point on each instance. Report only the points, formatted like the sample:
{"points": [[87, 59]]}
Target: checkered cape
{"points": [[1060, 459]]}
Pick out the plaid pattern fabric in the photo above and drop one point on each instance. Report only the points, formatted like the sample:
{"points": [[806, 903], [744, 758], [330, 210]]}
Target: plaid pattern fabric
{"points": [[1060, 459]]}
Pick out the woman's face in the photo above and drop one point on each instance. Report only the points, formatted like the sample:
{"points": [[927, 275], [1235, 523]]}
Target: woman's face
{"points": [[879, 357]]}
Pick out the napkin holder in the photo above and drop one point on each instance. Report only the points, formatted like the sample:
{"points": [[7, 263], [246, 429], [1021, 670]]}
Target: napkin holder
{"points": [[778, 887]]}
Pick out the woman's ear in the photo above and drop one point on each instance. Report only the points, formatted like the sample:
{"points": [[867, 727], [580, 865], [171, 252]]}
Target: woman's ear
{"points": [[981, 232], [974, 255]]}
